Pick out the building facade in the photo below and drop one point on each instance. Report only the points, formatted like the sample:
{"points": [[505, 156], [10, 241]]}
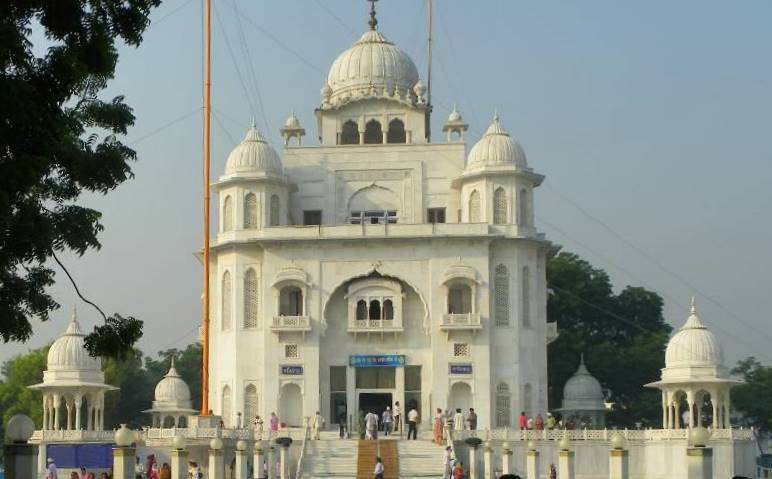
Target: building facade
{"points": [[377, 266]]}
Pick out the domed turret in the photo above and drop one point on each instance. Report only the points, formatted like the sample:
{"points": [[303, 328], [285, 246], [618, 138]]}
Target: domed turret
{"points": [[583, 397], [171, 401], [496, 148], [693, 345], [68, 352], [455, 126], [253, 155], [292, 129]]}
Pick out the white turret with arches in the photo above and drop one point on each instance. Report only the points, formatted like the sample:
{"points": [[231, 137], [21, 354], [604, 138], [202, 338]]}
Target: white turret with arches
{"points": [[73, 384], [171, 401], [583, 399], [695, 383]]}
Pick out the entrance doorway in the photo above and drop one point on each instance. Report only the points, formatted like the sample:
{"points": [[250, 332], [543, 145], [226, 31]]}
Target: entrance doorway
{"points": [[375, 403]]}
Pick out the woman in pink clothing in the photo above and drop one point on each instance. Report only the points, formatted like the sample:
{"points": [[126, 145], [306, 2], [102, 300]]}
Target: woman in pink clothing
{"points": [[274, 422]]}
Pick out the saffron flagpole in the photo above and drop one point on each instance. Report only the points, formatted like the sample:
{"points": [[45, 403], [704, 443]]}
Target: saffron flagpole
{"points": [[206, 173]]}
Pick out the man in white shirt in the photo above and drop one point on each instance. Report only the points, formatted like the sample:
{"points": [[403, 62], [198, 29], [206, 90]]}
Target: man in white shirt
{"points": [[51, 473], [458, 420], [371, 425], [412, 424], [396, 412], [316, 425], [379, 469]]}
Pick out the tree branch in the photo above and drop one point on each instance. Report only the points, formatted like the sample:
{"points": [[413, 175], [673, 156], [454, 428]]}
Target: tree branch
{"points": [[74, 285]]}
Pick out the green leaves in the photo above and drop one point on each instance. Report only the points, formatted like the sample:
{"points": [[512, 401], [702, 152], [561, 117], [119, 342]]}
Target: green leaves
{"points": [[754, 398], [115, 338]]}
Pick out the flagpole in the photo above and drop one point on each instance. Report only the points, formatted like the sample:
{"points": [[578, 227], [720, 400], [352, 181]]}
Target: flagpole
{"points": [[207, 132]]}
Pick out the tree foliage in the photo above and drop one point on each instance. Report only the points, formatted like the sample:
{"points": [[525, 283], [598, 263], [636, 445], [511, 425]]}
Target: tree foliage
{"points": [[15, 398], [57, 140], [754, 398], [623, 337]]}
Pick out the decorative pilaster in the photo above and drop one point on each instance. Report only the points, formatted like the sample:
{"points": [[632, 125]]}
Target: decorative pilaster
{"points": [[506, 458], [216, 460], [618, 464], [532, 464], [699, 463], [257, 460], [240, 470], [566, 464], [488, 461], [78, 403]]}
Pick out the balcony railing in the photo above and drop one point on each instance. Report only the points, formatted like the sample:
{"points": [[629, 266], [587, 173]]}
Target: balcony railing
{"points": [[72, 435], [453, 321], [291, 323], [374, 325]]}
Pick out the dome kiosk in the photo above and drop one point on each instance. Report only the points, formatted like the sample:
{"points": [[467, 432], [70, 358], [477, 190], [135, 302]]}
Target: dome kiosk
{"points": [[694, 377], [172, 403], [73, 384], [583, 398]]}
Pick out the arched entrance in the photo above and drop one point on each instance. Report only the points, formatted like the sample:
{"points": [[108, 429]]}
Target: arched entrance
{"points": [[291, 405], [460, 397]]}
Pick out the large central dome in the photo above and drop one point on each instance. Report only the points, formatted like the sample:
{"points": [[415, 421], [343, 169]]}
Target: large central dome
{"points": [[372, 63]]}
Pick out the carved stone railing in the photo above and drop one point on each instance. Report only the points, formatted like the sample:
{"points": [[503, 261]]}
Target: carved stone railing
{"points": [[63, 435], [246, 434], [453, 321], [602, 434], [291, 323], [374, 325]]}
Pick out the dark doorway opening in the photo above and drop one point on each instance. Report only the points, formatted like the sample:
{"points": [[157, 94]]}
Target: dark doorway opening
{"points": [[375, 403]]}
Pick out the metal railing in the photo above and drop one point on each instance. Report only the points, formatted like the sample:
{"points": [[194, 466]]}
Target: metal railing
{"points": [[306, 435]]}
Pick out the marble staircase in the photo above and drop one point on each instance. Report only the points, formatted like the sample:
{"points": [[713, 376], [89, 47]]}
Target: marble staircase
{"points": [[420, 459]]}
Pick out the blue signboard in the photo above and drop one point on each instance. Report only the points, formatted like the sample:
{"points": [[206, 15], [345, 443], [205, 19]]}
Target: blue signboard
{"points": [[291, 370], [74, 456], [376, 360], [460, 369]]}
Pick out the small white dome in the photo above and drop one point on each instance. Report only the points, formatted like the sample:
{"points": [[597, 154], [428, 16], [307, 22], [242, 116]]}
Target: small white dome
{"points": [[253, 155], [496, 148], [582, 391], [372, 62], [172, 389], [292, 121], [455, 116], [69, 351], [693, 345]]}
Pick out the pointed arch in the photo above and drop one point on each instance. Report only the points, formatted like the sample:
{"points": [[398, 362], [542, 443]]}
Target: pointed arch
{"points": [[250, 403], [474, 207], [349, 134], [501, 295], [227, 214], [373, 132], [500, 206], [396, 133], [250, 211], [250, 299], [226, 298], [275, 209]]}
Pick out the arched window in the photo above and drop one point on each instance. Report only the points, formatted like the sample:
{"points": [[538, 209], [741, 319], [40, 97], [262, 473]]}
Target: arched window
{"points": [[501, 295], [226, 406], [250, 299], [388, 309], [527, 399], [500, 206], [227, 214], [349, 135], [375, 309], [373, 133], [503, 405], [522, 210], [396, 133], [250, 403], [474, 207], [291, 301], [526, 297], [250, 211], [226, 292], [274, 220], [459, 299], [361, 309]]}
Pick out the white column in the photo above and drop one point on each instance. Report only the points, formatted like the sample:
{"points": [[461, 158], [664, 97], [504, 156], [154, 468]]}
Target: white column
{"points": [[690, 404], [725, 416], [532, 464], [618, 464], [240, 472], [123, 462], [68, 405], [57, 409], [699, 463], [78, 404], [488, 462], [399, 395], [257, 461], [271, 462], [90, 420], [506, 461], [179, 464], [216, 464], [665, 415], [45, 412], [473, 463], [283, 473], [565, 465]]}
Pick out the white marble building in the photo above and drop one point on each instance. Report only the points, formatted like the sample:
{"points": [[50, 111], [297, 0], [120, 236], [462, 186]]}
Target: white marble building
{"points": [[378, 246]]}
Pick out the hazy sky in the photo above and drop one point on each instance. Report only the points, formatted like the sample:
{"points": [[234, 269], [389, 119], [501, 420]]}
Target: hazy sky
{"points": [[650, 120]]}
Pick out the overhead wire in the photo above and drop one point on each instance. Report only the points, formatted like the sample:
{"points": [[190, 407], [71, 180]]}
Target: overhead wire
{"points": [[163, 127], [337, 18]]}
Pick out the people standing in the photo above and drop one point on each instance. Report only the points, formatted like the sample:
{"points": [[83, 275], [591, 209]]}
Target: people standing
{"points": [[550, 421], [458, 420], [139, 469], [317, 424], [529, 423], [397, 413], [458, 470], [51, 472], [412, 423], [437, 427], [386, 420], [447, 458], [379, 469], [274, 423], [238, 420], [523, 421], [258, 423], [166, 471], [371, 423], [472, 419], [538, 424], [154, 473], [553, 472]]}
